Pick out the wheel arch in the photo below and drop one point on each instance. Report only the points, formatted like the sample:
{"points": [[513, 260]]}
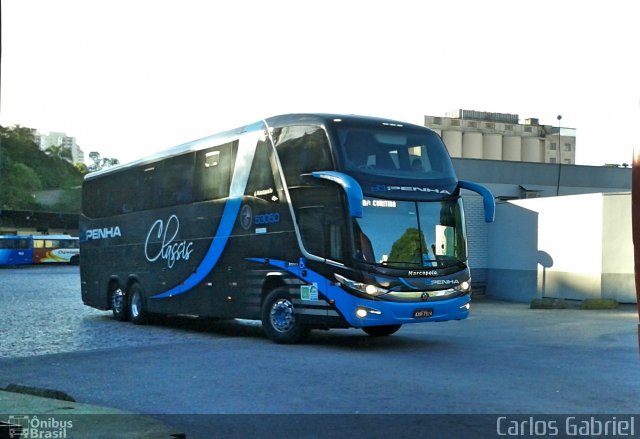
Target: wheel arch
{"points": [[271, 282], [278, 279], [131, 281]]}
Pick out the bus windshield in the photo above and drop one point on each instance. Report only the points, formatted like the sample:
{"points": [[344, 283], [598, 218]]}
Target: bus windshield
{"points": [[390, 152], [411, 235]]}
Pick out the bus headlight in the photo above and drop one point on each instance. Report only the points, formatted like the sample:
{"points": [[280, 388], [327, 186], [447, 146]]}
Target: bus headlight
{"points": [[464, 286], [371, 290]]}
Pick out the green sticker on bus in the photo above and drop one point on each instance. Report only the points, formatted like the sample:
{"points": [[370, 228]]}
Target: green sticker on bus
{"points": [[309, 292]]}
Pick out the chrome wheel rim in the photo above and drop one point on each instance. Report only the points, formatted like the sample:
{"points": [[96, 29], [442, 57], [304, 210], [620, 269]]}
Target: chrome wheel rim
{"points": [[117, 301], [135, 305], [282, 316]]}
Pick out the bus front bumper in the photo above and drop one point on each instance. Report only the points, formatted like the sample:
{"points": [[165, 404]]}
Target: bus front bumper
{"points": [[361, 312]]}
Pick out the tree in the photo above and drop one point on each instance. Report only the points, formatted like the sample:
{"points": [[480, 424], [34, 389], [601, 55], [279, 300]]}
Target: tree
{"points": [[25, 170], [409, 247], [100, 162], [60, 151]]}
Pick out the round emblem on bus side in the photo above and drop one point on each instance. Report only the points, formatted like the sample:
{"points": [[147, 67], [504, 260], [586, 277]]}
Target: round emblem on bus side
{"points": [[246, 217], [424, 296]]}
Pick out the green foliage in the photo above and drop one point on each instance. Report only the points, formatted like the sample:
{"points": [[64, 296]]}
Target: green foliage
{"points": [[409, 247], [100, 162], [548, 303], [598, 304], [25, 169]]}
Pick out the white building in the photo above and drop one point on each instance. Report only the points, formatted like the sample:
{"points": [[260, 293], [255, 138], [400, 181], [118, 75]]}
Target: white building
{"points": [[574, 246], [499, 136], [45, 141]]}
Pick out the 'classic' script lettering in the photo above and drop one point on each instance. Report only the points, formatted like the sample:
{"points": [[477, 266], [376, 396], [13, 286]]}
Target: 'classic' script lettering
{"points": [[169, 249]]}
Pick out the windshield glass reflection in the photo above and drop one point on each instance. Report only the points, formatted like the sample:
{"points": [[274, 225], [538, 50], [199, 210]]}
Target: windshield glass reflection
{"points": [[407, 234]]}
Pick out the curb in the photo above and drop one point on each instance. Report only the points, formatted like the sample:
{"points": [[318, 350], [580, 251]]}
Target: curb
{"points": [[51, 417]]}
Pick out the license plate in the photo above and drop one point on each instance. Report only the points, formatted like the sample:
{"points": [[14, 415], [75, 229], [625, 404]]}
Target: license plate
{"points": [[422, 313]]}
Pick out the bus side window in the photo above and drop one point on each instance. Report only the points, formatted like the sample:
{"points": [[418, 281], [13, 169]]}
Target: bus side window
{"points": [[123, 195], [149, 190], [176, 182], [261, 183], [8, 244], [302, 149], [213, 168], [323, 231], [94, 199]]}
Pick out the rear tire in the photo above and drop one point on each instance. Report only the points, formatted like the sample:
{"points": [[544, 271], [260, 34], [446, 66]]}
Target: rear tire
{"points": [[279, 319], [118, 301], [381, 331], [137, 312]]}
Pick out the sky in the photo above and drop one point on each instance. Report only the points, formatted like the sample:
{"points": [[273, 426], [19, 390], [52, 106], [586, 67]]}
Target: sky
{"points": [[128, 78]]}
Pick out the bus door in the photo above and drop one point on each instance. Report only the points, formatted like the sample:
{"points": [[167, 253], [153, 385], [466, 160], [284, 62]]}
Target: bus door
{"points": [[319, 206]]}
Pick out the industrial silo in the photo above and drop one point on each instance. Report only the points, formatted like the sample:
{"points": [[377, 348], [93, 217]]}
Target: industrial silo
{"points": [[492, 145], [532, 150], [472, 145], [512, 148], [453, 141]]}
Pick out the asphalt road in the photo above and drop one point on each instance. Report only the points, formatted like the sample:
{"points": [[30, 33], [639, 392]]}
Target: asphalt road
{"points": [[504, 359]]}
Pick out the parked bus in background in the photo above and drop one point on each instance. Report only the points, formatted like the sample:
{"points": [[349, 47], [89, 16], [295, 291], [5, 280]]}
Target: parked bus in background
{"points": [[16, 250], [39, 249], [301, 221], [56, 248]]}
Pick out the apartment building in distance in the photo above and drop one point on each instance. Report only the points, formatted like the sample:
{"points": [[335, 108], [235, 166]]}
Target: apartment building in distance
{"points": [[500, 136], [46, 141]]}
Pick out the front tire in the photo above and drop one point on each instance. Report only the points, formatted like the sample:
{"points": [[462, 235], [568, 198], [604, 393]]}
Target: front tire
{"points": [[381, 331], [279, 319], [137, 311]]}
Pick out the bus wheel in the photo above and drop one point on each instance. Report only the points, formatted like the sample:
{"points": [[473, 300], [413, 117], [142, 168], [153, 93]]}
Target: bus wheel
{"points": [[118, 304], [381, 331], [137, 312], [279, 318]]}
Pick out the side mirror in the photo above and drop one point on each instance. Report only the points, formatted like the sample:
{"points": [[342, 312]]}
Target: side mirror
{"points": [[350, 186], [487, 198]]}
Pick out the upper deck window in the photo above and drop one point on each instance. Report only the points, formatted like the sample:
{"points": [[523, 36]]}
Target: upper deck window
{"points": [[302, 149], [394, 152]]}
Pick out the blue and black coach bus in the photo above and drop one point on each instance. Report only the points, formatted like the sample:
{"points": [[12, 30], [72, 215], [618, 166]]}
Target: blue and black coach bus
{"points": [[301, 221]]}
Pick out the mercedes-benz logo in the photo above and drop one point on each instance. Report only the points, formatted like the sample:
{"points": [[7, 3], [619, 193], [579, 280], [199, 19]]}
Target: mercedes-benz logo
{"points": [[424, 296]]}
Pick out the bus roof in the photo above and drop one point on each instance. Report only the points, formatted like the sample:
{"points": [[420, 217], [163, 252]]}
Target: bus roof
{"points": [[322, 119], [54, 237]]}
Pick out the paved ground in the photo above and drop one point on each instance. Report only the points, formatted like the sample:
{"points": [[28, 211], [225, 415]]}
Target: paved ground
{"points": [[504, 359]]}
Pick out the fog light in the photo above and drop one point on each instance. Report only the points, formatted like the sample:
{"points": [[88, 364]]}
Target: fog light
{"points": [[466, 306], [361, 312]]}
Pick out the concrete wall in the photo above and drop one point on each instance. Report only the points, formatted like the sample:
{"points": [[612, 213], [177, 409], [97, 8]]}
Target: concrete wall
{"points": [[513, 254], [571, 247], [618, 281]]}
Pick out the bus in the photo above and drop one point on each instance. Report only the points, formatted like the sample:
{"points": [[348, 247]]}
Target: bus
{"points": [[39, 249], [301, 221]]}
